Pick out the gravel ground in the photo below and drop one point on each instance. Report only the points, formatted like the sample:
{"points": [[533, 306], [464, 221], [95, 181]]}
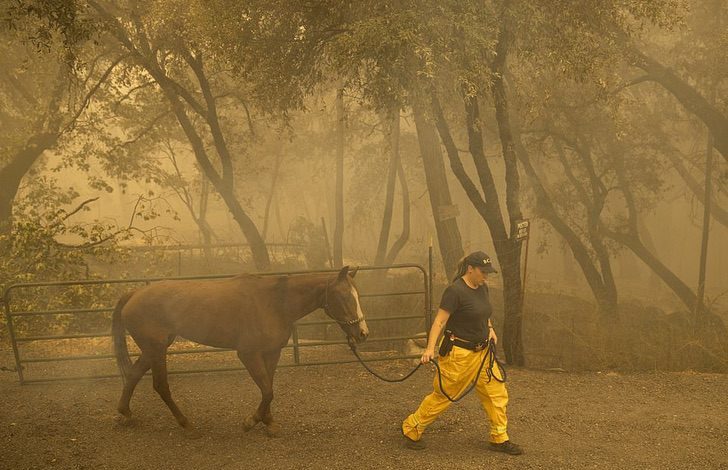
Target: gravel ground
{"points": [[342, 417]]}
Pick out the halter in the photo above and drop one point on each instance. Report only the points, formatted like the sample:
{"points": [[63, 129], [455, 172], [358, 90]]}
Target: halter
{"points": [[326, 309]]}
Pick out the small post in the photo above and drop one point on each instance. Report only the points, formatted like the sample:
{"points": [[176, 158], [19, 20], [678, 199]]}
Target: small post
{"points": [[699, 305], [523, 232], [11, 330], [525, 272], [428, 317]]}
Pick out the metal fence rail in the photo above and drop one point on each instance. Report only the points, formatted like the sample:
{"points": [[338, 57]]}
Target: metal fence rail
{"points": [[296, 343]]}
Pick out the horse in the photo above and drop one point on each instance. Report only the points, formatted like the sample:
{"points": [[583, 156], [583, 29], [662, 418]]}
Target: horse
{"points": [[250, 314]]}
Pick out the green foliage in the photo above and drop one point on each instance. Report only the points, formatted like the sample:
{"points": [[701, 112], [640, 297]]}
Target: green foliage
{"points": [[43, 21], [579, 38], [390, 51], [34, 252], [47, 243], [30, 85]]}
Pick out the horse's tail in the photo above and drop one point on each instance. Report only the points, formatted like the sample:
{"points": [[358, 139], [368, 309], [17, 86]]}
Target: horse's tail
{"points": [[118, 332]]}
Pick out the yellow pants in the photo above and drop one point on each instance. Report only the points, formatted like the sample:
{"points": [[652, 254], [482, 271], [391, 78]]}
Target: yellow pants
{"points": [[459, 369]]}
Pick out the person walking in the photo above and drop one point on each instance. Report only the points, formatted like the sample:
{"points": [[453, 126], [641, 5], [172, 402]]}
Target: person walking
{"points": [[464, 315]]}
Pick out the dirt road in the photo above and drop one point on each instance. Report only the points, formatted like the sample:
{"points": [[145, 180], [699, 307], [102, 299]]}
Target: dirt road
{"points": [[342, 417]]}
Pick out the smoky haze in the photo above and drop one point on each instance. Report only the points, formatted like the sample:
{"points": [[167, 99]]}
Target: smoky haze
{"points": [[365, 135], [582, 145], [290, 181]]}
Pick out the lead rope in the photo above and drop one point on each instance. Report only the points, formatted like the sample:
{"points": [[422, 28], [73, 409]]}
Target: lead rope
{"points": [[401, 379], [489, 371]]}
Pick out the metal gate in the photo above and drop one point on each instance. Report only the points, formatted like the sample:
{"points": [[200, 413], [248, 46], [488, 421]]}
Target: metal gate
{"points": [[78, 336]]}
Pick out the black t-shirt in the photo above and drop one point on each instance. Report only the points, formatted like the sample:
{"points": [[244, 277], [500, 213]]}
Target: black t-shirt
{"points": [[469, 310]]}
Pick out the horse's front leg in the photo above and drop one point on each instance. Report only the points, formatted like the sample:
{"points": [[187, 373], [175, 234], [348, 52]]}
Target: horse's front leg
{"points": [[257, 366]]}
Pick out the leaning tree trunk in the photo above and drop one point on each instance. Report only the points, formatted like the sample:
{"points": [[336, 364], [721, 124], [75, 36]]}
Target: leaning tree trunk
{"points": [[47, 132], [446, 226], [719, 213], [686, 94], [12, 174], [222, 184], [632, 241]]}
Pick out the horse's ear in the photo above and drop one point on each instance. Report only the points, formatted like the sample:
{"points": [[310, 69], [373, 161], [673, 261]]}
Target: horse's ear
{"points": [[352, 272], [343, 273]]}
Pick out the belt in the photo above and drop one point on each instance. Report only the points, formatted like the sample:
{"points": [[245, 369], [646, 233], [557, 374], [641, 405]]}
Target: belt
{"points": [[461, 343]]}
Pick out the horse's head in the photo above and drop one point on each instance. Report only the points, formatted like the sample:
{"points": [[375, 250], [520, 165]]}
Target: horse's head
{"points": [[342, 304]]}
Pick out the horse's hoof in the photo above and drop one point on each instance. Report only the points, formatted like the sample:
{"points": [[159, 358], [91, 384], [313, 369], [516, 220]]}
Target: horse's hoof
{"points": [[192, 433], [273, 430], [249, 423], [124, 420]]}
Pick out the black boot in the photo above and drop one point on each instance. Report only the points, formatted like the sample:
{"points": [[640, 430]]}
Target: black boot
{"points": [[506, 447]]}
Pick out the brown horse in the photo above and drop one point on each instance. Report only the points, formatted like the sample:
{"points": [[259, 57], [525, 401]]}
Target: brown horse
{"points": [[253, 315]]}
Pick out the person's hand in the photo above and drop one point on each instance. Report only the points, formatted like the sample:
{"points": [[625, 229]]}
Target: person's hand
{"points": [[492, 335], [427, 356]]}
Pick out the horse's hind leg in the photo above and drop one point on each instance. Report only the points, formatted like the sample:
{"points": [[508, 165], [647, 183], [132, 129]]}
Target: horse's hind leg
{"points": [[161, 386], [137, 371], [256, 365], [271, 362]]}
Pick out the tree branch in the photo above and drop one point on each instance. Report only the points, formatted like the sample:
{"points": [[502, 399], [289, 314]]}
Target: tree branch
{"points": [[79, 208], [91, 92]]}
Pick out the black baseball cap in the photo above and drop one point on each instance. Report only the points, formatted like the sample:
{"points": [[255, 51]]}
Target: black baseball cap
{"points": [[480, 260]]}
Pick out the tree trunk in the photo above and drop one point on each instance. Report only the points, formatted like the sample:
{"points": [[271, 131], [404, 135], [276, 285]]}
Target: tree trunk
{"points": [[595, 206], [258, 248], [404, 236], [205, 230], [12, 174], [276, 171], [446, 226], [394, 163], [509, 251], [654, 282], [339, 195]]}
